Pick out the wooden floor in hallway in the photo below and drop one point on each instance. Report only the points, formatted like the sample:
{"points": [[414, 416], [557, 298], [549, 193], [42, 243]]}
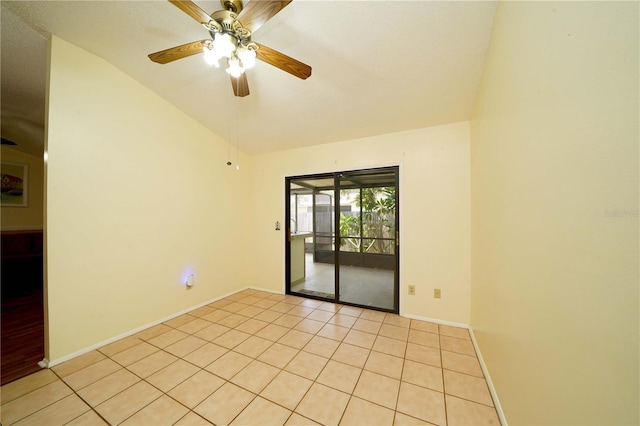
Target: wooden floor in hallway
{"points": [[22, 335]]}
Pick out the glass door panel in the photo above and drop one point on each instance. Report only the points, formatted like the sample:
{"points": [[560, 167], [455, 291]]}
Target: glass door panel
{"points": [[367, 258], [311, 238]]}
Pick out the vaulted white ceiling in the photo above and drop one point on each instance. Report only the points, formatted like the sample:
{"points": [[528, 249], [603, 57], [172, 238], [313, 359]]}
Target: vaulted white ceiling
{"points": [[378, 66]]}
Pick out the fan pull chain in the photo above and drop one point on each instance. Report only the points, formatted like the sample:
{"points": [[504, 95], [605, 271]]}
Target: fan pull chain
{"points": [[228, 128], [237, 134], [228, 148]]}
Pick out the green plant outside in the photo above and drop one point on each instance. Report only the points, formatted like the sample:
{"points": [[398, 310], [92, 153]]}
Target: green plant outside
{"points": [[373, 230]]}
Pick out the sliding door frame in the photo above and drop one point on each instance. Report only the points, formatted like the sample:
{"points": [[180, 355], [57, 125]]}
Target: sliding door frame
{"points": [[337, 237]]}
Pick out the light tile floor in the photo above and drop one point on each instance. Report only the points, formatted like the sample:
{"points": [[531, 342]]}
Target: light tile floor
{"points": [[257, 358]]}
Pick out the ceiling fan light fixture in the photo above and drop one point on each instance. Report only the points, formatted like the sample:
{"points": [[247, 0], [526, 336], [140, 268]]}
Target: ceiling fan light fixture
{"points": [[247, 56], [211, 56], [224, 44], [234, 67]]}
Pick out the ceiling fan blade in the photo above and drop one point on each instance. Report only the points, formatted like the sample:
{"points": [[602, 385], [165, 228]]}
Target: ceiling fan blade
{"points": [[240, 85], [192, 10], [282, 61], [257, 12], [178, 52]]}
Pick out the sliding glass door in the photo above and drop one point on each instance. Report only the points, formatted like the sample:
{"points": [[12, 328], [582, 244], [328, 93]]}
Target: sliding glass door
{"points": [[348, 222]]}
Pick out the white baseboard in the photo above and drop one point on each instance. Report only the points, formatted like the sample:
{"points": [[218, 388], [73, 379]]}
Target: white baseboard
{"points": [[487, 376], [436, 320], [267, 290], [83, 351]]}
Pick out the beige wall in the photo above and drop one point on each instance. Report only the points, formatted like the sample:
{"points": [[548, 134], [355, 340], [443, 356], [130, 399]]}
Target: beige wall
{"points": [[138, 195], [434, 211], [554, 172], [30, 217]]}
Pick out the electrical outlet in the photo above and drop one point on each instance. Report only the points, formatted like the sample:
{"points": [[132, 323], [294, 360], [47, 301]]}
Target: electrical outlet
{"points": [[412, 290], [436, 293]]}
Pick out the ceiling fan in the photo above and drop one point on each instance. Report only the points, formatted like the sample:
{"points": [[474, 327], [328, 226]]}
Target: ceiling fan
{"points": [[231, 30]]}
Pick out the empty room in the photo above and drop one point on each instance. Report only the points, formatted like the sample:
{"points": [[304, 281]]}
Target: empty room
{"points": [[320, 212]]}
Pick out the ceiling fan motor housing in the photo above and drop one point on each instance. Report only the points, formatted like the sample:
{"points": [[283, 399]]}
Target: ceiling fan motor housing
{"points": [[227, 22]]}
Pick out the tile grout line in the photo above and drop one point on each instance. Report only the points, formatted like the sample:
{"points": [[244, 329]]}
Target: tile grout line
{"points": [[91, 408], [404, 361], [355, 386], [444, 389]]}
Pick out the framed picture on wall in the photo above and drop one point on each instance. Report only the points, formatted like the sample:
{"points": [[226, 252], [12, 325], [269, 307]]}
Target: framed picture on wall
{"points": [[14, 184]]}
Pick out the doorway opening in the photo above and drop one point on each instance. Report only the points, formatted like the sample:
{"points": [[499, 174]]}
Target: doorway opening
{"points": [[342, 237], [22, 319]]}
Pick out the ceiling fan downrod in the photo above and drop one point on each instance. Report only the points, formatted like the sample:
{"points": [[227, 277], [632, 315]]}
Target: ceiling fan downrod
{"points": [[234, 6]]}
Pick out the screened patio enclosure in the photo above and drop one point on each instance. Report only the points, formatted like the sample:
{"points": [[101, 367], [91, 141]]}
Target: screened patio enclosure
{"points": [[342, 243]]}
